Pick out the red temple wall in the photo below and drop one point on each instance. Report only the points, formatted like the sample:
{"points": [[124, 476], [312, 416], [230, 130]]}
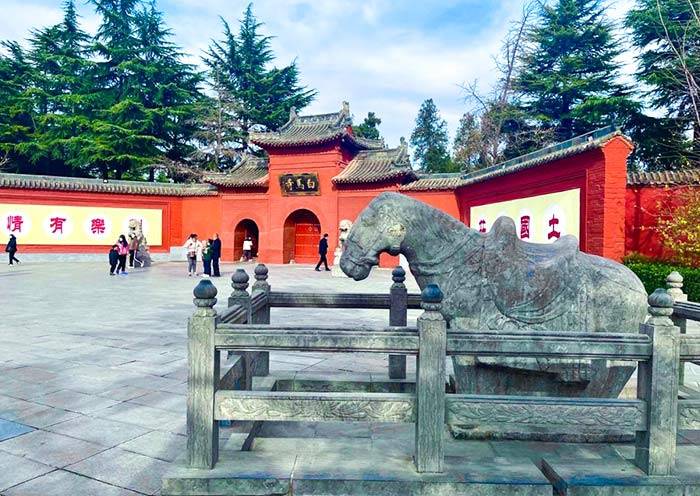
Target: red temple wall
{"points": [[170, 206], [643, 206], [600, 175]]}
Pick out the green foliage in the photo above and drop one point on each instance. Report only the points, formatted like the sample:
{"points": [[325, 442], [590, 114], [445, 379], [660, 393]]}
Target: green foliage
{"points": [[262, 96], [567, 79], [369, 127], [429, 140], [653, 275], [667, 36]]}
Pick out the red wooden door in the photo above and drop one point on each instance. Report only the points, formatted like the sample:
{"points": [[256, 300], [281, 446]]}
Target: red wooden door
{"points": [[306, 238]]}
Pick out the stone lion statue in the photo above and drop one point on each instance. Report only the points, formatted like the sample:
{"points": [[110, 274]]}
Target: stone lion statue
{"points": [[343, 230], [142, 257], [497, 281]]}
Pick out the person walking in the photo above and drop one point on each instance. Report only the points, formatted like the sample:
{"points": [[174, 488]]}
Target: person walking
{"points": [[193, 247], [323, 251], [133, 246], [206, 258], [113, 259], [216, 255], [11, 249], [123, 251], [248, 249]]}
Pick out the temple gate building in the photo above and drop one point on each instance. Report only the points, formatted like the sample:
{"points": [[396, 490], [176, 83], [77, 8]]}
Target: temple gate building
{"points": [[317, 173]]}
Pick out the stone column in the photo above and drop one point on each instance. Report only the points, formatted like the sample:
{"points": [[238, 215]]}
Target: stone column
{"points": [[202, 379], [430, 384], [657, 385], [240, 296], [262, 316], [674, 287], [398, 316]]}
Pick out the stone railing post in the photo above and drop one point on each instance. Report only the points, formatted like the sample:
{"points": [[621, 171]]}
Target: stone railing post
{"points": [[398, 316], [240, 296], [674, 287], [202, 379], [261, 316], [657, 385], [430, 383]]}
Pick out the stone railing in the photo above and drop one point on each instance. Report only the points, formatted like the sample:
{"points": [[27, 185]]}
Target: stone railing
{"points": [[244, 329], [683, 311]]}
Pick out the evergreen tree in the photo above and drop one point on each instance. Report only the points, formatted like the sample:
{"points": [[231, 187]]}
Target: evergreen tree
{"points": [[16, 112], [63, 95], [567, 79], [263, 95], [369, 127], [429, 140], [168, 86], [667, 35], [467, 148]]}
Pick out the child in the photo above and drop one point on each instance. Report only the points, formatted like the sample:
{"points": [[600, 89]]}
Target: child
{"points": [[113, 259]]}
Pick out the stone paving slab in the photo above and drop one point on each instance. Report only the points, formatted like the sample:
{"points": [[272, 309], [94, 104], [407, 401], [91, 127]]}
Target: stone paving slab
{"points": [[104, 432], [50, 449], [157, 444], [124, 469], [9, 429], [62, 483], [16, 469]]}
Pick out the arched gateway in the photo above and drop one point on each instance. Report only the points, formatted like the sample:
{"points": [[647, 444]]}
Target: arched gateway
{"points": [[302, 230], [245, 228]]}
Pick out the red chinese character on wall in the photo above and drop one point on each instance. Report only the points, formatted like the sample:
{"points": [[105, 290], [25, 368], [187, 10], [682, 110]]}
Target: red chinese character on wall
{"points": [[14, 223], [57, 224], [97, 226], [525, 227], [553, 222], [482, 226]]}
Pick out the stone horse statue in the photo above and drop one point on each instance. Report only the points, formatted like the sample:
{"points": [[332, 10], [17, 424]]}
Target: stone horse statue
{"points": [[497, 281]]}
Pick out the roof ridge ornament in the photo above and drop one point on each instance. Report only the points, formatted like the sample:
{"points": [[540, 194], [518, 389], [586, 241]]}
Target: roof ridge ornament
{"points": [[345, 109]]}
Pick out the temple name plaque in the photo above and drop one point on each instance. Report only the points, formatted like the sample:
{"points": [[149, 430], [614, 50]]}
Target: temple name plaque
{"points": [[299, 184]]}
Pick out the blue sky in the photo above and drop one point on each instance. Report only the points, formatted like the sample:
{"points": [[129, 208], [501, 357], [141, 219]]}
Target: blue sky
{"points": [[385, 56]]}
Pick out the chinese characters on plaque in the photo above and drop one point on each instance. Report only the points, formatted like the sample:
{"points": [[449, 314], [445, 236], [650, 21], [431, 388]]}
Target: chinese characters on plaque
{"points": [[75, 225], [538, 219], [299, 184]]}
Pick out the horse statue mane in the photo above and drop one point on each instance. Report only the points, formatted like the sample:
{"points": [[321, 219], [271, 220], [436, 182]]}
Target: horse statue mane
{"points": [[496, 281]]}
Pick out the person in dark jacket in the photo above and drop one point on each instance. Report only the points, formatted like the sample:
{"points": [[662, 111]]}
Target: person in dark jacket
{"points": [[215, 254], [113, 259], [11, 249], [206, 257], [323, 251]]}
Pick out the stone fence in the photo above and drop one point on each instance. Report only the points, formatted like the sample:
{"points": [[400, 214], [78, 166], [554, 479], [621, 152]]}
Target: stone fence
{"points": [[244, 329]]}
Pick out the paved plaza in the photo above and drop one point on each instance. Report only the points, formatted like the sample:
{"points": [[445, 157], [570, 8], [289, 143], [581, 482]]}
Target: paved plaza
{"points": [[93, 367], [93, 370]]}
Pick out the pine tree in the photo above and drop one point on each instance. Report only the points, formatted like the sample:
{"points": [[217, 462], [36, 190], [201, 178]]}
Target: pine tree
{"points": [[369, 127], [568, 73], [16, 110], [263, 95], [64, 95], [667, 35], [429, 140]]}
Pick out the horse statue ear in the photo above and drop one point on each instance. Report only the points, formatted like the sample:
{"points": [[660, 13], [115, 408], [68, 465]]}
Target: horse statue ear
{"points": [[396, 233]]}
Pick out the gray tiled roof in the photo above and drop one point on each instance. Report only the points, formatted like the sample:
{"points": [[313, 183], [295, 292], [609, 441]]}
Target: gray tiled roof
{"points": [[314, 130], [664, 178], [579, 144], [251, 172], [371, 166], [27, 181], [434, 182]]}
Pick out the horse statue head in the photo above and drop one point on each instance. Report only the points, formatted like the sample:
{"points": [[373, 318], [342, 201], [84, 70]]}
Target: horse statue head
{"points": [[396, 224]]}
